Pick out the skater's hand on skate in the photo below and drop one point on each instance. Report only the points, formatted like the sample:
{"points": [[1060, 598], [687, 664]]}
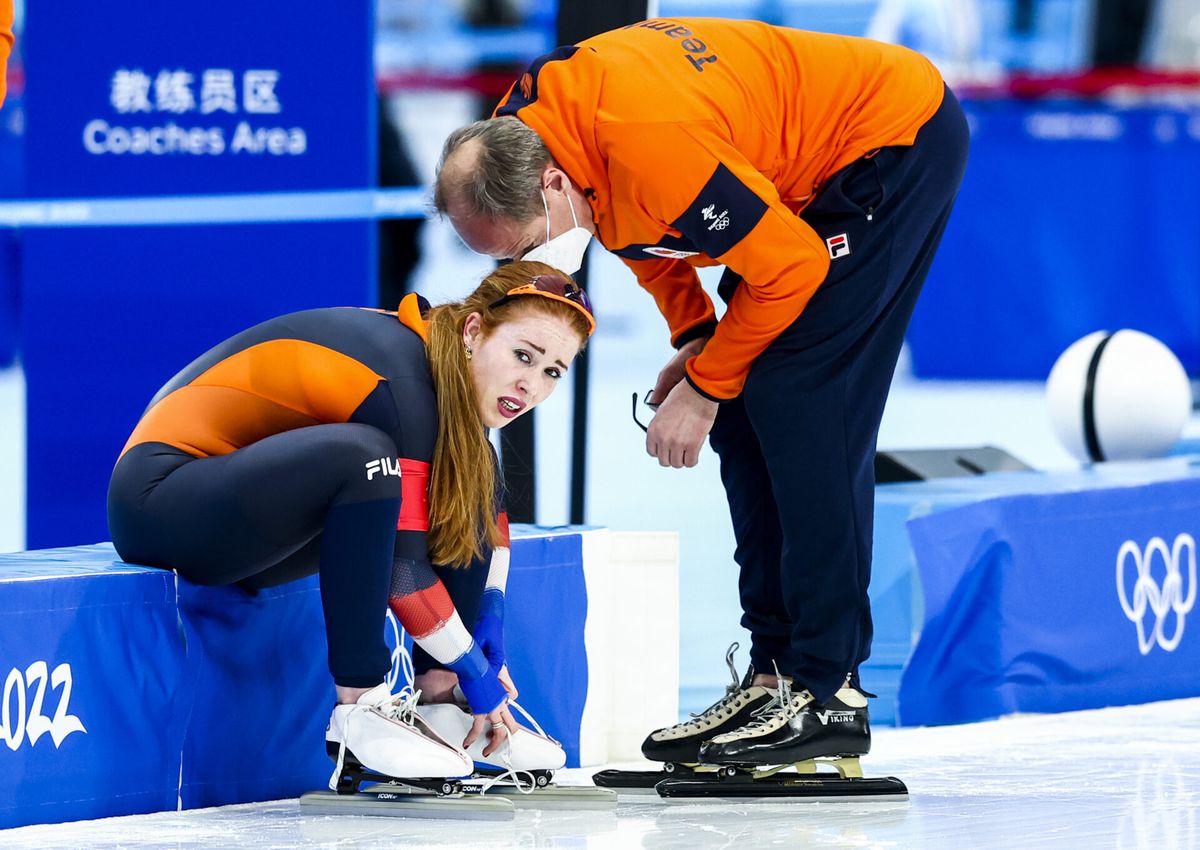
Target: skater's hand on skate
{"points": [[498, 725], [674, 371], [677, 431]]}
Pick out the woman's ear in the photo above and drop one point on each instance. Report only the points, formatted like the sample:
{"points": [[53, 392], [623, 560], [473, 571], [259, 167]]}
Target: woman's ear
{"points": [[472, 330]]}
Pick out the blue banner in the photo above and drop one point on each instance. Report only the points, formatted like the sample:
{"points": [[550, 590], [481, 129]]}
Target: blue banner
{"points": [[1074, 216], [136, 97], [143, 99], [1056, 602]]}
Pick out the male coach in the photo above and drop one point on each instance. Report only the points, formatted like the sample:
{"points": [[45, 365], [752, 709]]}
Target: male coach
{"points": [[6, 42], [820, 171]]}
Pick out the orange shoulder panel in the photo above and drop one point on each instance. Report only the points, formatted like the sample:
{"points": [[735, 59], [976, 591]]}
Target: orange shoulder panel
{"points": [[409, 314], [263, 390]]}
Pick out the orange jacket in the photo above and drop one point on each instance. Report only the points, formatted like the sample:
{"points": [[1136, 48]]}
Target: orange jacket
{"points": [[698, 141], [6, 42]]}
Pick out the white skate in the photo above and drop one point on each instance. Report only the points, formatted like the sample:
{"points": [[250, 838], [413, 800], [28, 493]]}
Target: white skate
{"points": [[385, 735], [521, 769], [525, 750], [381, 739]]}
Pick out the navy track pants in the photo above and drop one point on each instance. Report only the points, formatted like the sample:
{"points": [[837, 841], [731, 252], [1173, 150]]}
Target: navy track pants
{"points": [[797, 448]]}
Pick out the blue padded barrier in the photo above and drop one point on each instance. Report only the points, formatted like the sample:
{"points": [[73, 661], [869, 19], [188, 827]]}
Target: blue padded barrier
{"points": [[256, 729], [543, 632], [1014, 589], [894, 595], [93, 686], [131, 691], [1057, 601]]}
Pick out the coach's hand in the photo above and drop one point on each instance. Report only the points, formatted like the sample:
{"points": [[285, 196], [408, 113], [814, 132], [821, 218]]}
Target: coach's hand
{"points": [[677, 431]]}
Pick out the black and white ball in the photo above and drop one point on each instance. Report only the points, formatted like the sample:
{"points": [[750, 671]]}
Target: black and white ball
{"points": [[1118, 396]]}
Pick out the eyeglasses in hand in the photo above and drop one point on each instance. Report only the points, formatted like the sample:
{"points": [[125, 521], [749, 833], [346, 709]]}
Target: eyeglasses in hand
{"points": [[648, 403]]}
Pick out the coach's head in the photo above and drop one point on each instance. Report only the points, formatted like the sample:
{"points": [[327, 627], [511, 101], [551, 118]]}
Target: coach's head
{"points": [[507, 197]]}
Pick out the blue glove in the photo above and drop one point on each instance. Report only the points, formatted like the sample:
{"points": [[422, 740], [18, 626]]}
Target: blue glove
{"points": [[489, 627], [479, 669], [484, 694]]}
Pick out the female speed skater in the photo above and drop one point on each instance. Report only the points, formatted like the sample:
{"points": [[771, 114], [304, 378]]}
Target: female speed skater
{"points": [[353, 443]]}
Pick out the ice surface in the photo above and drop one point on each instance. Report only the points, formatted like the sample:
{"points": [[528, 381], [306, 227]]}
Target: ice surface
{"points": [[1116, 778]]}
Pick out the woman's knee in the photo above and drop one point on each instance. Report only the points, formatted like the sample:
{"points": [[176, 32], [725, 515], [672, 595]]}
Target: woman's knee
{"points": [[367, 458]]}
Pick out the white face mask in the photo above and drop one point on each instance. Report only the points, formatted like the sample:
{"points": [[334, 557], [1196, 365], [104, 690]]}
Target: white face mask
{"points": [[564, 252]]}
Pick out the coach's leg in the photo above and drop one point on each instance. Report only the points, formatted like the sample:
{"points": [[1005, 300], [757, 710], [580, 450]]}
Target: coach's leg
{"points": [[756, 532], [815, 397]]}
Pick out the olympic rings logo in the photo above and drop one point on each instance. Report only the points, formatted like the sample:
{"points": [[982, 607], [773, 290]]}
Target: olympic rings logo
{"points": [[1148, 597]]}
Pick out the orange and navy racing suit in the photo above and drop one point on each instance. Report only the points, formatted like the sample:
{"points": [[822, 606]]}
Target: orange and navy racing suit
{"points": [[300, 445]]}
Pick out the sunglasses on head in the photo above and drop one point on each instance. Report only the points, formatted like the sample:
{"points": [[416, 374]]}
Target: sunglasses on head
{"points": [[556, 287]]}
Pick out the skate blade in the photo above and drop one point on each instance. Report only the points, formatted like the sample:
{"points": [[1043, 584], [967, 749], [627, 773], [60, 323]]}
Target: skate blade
{"points": [[550, 796], [630, 781], [798, 787], [389, 802], [640, 782]]}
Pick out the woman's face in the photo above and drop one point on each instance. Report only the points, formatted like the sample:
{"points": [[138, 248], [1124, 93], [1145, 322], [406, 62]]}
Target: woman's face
{"points": [[517, 365]]}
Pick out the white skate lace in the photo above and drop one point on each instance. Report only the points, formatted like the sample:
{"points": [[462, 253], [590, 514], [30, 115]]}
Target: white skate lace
{"points": [[732, 691], [511, 772], [506, 758], [532, 722], [406, 713], [400, 707], [782, 703]]}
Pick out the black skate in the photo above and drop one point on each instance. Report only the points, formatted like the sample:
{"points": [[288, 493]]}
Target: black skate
{"points": [[794, 731], [678, 746]]}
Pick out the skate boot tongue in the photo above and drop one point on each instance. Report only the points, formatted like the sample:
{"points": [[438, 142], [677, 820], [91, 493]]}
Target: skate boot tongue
{"points": [[851, 697], [379, 693], [784, 706]]}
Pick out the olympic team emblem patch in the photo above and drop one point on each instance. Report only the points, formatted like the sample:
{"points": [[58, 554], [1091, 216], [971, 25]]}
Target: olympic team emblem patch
{"points": [[839, 246]]}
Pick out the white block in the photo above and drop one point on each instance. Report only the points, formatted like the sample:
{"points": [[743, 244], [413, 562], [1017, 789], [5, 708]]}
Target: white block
{"points": [[632, 641]]}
